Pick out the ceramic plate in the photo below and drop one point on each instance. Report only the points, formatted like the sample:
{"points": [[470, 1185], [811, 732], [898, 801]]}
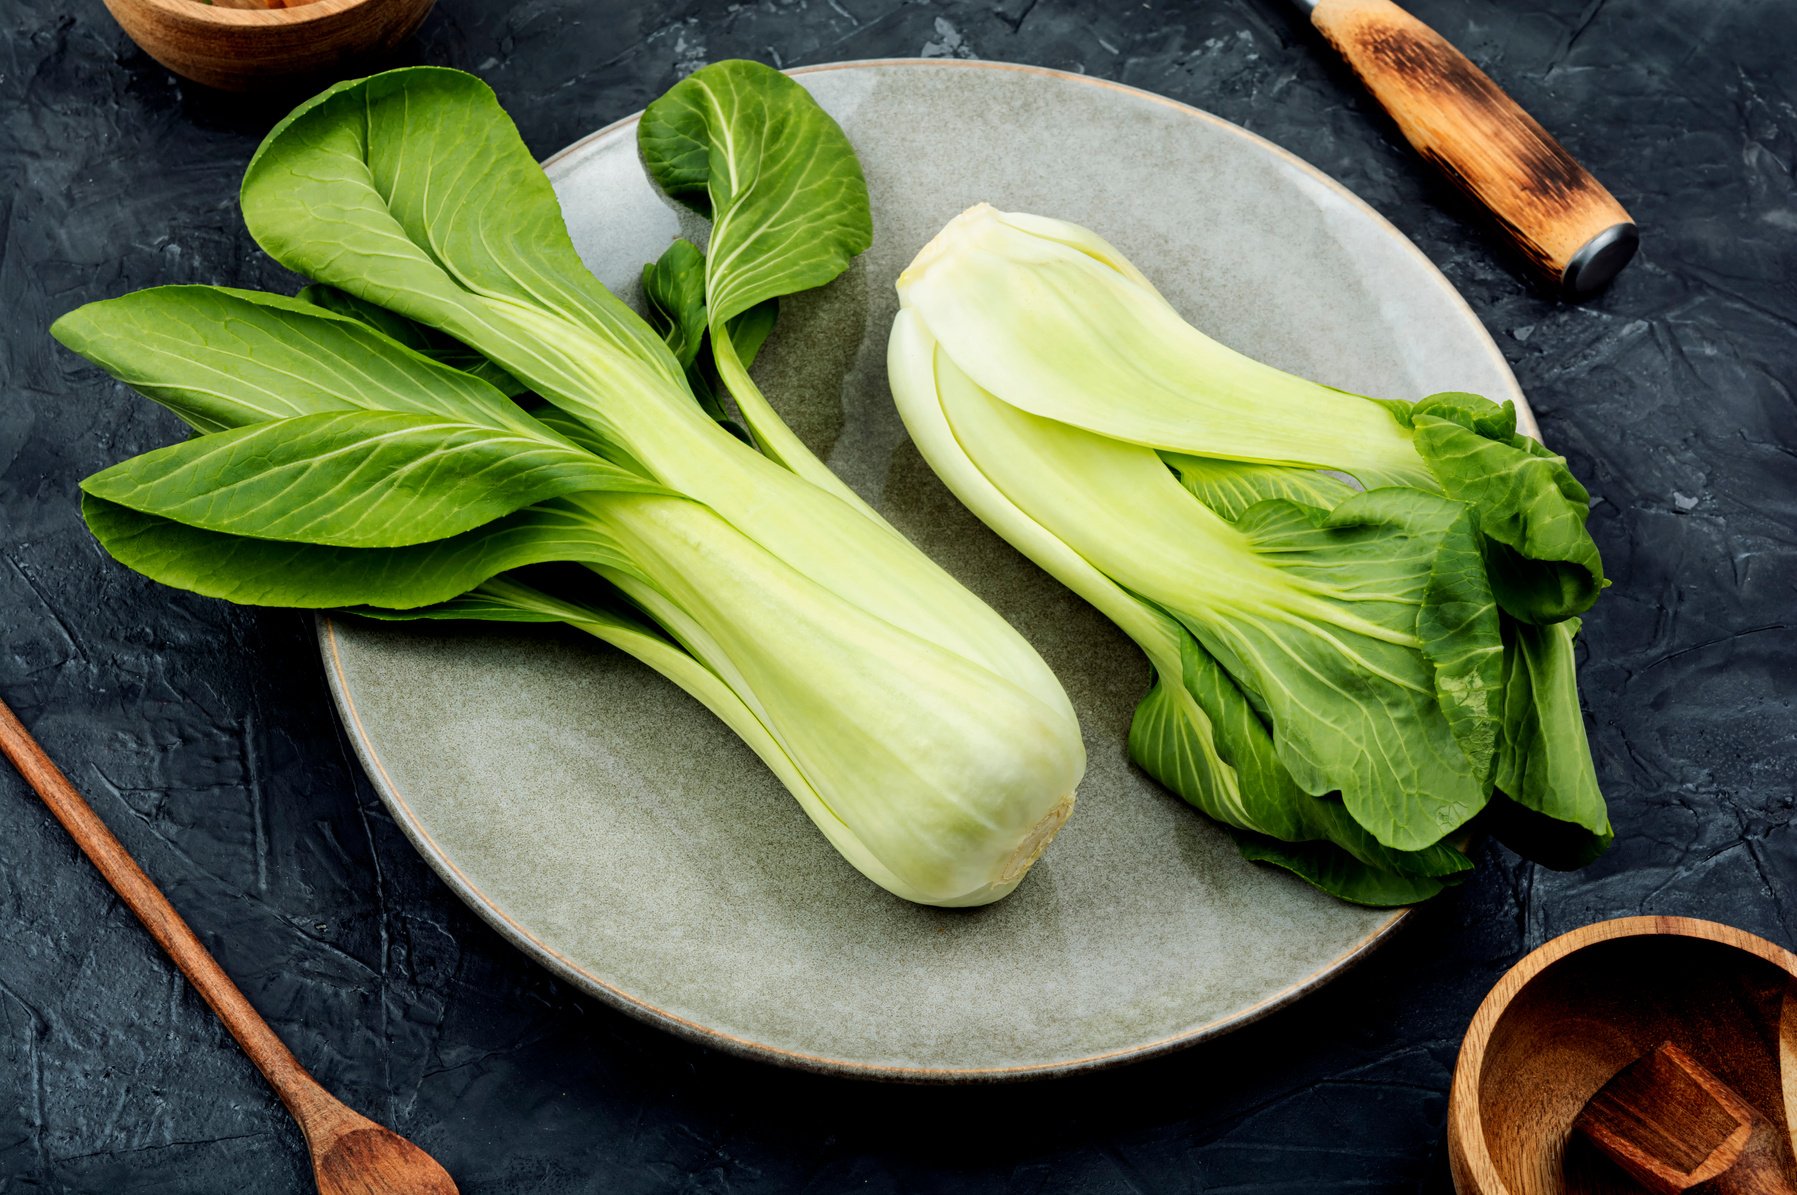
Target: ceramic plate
{"points": [[620, 835]]}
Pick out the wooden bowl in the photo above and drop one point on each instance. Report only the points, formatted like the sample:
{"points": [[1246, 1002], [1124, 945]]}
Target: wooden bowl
{"points": [[265, 49], [1573, 1013]]}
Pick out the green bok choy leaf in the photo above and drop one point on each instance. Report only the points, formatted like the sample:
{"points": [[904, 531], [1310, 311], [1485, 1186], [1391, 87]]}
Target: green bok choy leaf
{"points": [[788, 209], [358, 449]]}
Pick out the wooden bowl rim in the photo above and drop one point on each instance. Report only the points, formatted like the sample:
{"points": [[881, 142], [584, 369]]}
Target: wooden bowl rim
{"points": [[1466, 1129], [199, 13]]}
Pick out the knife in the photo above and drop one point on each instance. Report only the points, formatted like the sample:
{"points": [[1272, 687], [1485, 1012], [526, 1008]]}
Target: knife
{"points": [[1571, 231]]}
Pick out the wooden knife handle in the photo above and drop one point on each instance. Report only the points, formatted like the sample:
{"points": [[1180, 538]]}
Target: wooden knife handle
{"points": [[1568, 227]]}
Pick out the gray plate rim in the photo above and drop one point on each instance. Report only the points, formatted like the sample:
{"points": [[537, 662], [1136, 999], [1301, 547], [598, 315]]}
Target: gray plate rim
{"points": [[546, 955]]}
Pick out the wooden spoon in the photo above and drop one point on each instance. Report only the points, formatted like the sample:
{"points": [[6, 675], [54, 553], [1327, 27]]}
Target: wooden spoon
{"points": [[351, 1155]]}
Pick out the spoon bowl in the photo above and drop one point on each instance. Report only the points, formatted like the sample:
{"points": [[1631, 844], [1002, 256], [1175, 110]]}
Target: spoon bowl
{"points": [[352, 1155]]}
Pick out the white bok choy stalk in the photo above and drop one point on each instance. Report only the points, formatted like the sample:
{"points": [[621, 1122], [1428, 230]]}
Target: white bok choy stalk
{"points": [[1344, 674], [457, 407]]}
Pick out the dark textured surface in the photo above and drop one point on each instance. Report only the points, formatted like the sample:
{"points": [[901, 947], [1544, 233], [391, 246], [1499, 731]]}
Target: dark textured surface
{"points": [[203, 734]]}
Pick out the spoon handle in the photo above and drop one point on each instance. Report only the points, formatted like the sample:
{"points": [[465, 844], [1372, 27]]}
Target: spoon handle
{"points": [[296, 1087]]}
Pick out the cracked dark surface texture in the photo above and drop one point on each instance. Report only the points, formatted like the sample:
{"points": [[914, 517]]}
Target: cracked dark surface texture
{"points": [[203, 734]]}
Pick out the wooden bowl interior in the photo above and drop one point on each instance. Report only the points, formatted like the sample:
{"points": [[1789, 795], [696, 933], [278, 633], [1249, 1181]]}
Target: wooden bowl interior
{"points": [[1589, 1014]]}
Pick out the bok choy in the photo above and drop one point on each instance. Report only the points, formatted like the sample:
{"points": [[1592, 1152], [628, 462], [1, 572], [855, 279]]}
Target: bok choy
{"points": [[456, 400], [1345, 671]]}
